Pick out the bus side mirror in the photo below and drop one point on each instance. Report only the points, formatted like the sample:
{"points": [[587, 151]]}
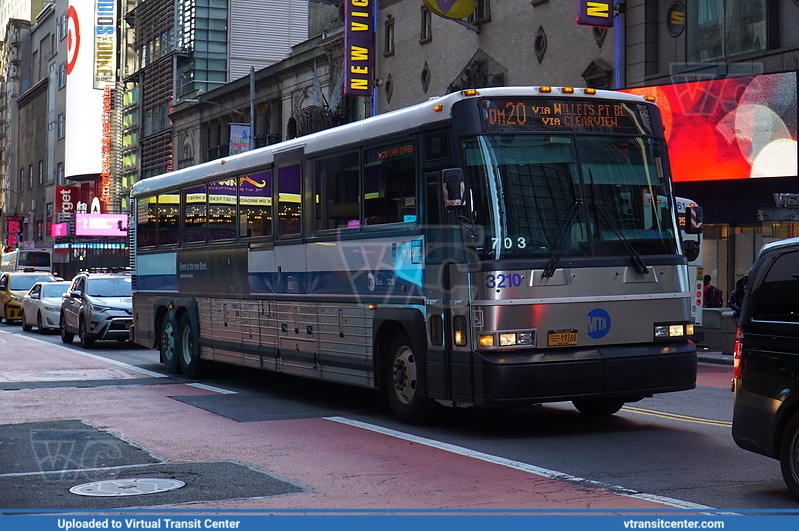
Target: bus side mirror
{"points": [[694, 220], [454, 187], [691, 249]]}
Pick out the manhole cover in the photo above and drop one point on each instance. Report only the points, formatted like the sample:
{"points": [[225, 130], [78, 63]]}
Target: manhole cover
{"points": [[126, 487]]}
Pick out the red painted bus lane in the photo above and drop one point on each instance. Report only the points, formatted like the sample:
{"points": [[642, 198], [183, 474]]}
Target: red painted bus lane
{"points": [[343, 466]]}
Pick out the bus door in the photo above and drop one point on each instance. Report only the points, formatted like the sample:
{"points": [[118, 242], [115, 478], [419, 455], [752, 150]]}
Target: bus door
{"points": [[446, 284]]}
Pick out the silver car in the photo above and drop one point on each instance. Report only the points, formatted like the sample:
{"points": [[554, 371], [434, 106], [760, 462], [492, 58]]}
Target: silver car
{"points": [[97, 306], [41, 306]]}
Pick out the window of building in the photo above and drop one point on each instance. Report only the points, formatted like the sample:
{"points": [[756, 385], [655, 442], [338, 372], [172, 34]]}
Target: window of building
{"points": [[389, 184], [62, 75], [722, 28], [61, 26], [41, 172], [337, 192], [30, 176], [255, 205], [388, 36], [426, 34], [21, 179], [60, 126], [59, 173], [482, 12]]}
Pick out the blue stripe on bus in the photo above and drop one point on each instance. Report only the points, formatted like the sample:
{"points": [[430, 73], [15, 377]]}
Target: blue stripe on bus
{"points": [[305, 283]]}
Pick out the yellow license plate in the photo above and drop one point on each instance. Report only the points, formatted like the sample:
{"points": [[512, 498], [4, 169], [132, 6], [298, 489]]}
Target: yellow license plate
{"points": [[559, 338]]}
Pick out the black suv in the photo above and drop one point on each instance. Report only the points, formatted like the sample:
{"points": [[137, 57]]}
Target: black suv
{"points": [[766, 360], [97, 306]]}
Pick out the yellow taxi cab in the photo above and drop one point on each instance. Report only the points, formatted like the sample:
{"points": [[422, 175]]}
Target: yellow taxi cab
{"points": [[13, 286]]}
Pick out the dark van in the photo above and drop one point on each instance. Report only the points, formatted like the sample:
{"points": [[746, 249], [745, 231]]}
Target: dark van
{"points": [[766, 367]]}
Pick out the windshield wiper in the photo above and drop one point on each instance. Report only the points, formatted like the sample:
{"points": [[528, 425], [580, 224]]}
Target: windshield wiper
{"points": [[552, 265], [640, 265]]}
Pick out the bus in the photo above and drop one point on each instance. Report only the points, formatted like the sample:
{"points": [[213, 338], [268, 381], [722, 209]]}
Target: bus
{"points": [[28, 260], [492, 247]]}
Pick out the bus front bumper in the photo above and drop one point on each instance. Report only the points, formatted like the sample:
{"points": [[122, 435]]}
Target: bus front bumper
{"points": [[628, 372]]}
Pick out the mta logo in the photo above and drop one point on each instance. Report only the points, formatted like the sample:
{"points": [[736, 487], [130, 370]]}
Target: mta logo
{"points": [[598, 323]]}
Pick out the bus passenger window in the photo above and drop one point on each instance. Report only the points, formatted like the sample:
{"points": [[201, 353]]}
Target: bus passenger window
{"points": [[146, 221], [289, 202], [390, 184], [195, 215], [222, 210], [168, 219], [255, 205], [337, 192]]}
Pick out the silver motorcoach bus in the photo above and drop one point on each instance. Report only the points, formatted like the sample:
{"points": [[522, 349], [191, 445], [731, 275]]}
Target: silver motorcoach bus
{"points": [[491, 247]]}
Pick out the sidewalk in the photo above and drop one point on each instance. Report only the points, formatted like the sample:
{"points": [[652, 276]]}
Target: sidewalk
{"points": [[707, 355]]}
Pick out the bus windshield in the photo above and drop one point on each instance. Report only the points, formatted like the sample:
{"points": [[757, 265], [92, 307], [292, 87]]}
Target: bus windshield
{"points": [[535, 195]]}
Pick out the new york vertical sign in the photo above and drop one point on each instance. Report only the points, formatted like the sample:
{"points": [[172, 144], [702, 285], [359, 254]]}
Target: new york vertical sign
{"points": [[359, 47]]}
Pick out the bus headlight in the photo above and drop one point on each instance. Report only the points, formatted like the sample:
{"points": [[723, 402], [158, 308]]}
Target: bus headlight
{"points": [[524, 338], [666, 331]]}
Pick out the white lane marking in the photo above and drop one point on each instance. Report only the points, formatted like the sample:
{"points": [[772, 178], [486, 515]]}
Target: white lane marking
{"points": [[92, 356], [212, 388], [518, 465]]}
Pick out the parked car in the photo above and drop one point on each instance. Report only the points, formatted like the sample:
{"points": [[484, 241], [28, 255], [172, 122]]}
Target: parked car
{"points": [[96, 306], [766, 360], [41, 306], [13, 286]]}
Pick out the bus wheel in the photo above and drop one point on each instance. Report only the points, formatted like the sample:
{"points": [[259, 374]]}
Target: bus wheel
{"points": [[789, 455], [598, 408], [403, 378], [166, 346], [191, 365]]}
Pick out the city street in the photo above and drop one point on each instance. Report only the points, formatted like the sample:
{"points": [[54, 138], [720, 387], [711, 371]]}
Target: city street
{"points": [[246, 439]]}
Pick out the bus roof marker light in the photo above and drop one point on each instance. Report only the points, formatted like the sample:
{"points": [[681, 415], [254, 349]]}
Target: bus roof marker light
{"points": [[438, 108], [589, 91], [545, 90], [650, 98], [470, 92], [567, 90]]}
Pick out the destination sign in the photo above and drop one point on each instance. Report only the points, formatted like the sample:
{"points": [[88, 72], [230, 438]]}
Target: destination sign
{"points": [[542, 114]]}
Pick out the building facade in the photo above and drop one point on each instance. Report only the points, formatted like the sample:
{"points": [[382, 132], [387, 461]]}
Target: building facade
{"points": [[725, 71]]}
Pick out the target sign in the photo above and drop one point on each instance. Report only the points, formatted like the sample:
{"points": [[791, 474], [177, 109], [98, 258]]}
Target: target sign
{"points": [[73, 38]]}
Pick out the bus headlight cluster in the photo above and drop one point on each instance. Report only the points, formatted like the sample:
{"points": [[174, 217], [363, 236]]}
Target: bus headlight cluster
{"points": [[665, 331], [507, 339]]}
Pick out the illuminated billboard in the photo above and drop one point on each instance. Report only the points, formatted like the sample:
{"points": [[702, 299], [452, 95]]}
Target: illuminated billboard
{"points": [[101, 225], [91, 72], [737, 128]]}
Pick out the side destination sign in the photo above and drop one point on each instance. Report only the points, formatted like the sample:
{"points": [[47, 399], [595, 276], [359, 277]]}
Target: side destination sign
{"points": [[359, 47]]}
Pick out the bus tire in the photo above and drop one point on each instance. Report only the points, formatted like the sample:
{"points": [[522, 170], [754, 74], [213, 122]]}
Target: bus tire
{"points": [[25, 326], [789, 455], [191, 365], [403, 376], [598, 408], [66, 336], [167, 344]]}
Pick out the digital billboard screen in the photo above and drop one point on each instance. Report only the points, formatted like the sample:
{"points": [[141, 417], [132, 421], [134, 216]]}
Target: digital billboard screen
{"points": [[736, 128]]}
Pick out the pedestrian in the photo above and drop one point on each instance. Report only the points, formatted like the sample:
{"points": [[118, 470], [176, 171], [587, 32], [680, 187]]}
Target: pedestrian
{"points": [[712, 297], [737, 296]]}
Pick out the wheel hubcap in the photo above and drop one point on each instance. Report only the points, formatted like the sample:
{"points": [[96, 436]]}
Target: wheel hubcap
{"points": [[404, 375], [187, 345], [168, 342]]}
